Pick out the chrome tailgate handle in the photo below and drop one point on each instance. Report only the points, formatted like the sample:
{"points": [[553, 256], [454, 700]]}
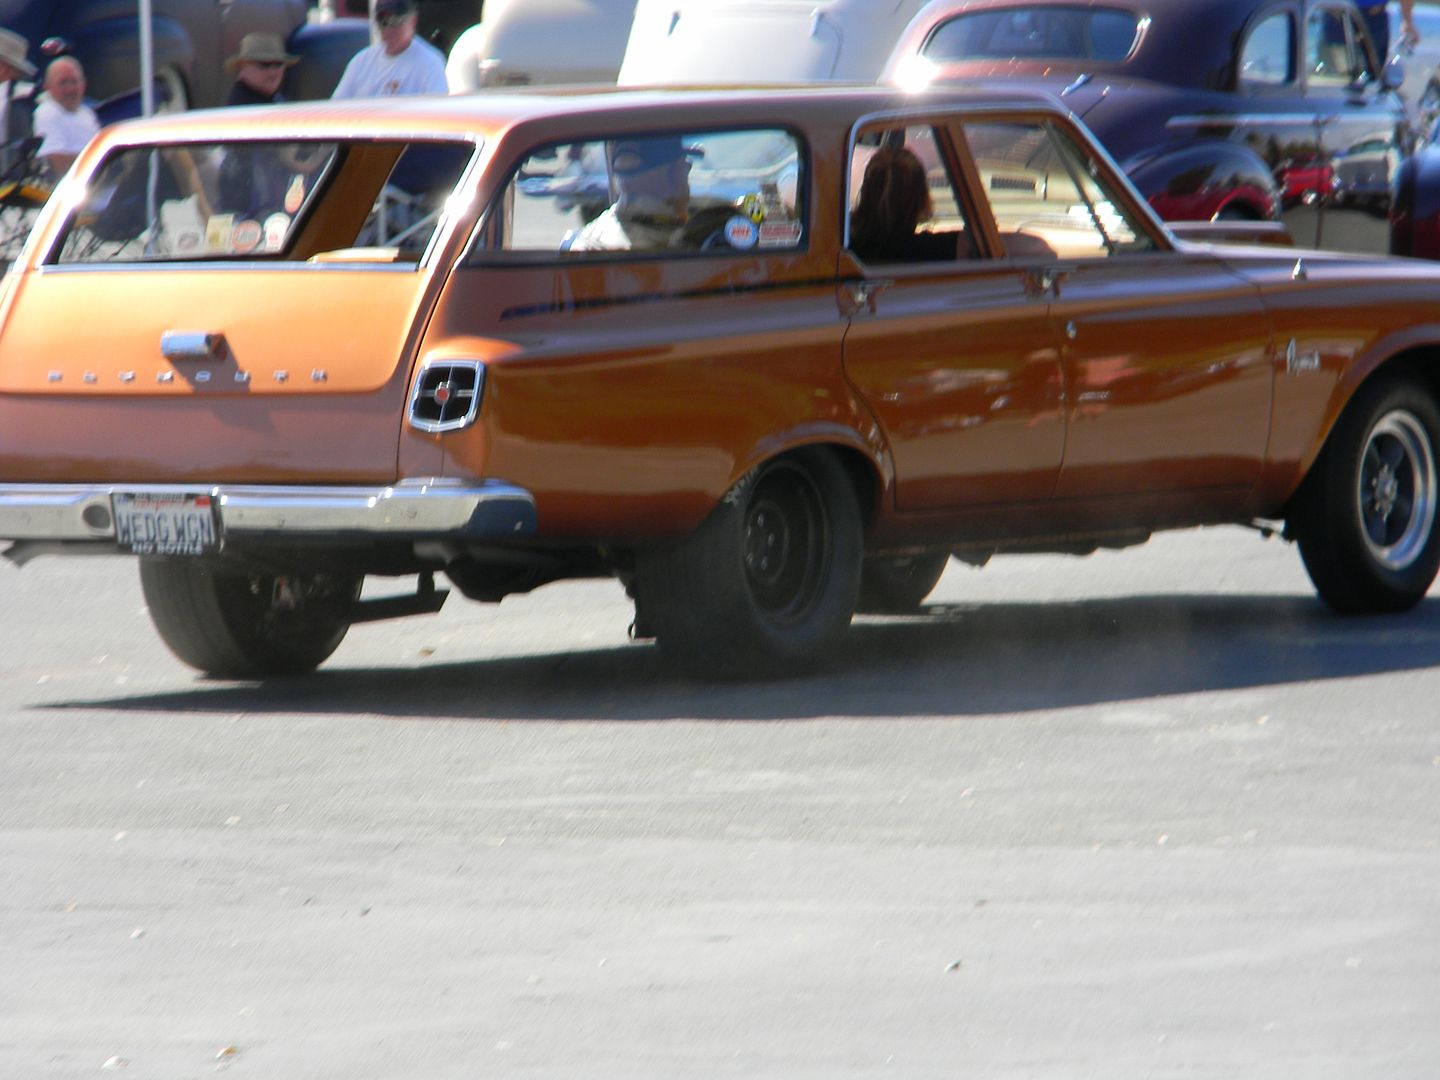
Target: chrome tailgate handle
{"points": [[191, 345]]}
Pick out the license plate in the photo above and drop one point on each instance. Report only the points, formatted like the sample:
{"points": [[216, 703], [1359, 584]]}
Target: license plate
{"points": [[164, 524]]}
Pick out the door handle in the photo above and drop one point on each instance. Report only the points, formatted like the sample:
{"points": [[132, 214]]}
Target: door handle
{"points": [[863, 294], [1044, 280]]}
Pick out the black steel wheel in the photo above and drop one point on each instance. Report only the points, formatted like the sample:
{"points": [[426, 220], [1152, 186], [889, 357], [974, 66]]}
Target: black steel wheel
{"points": [[900, 584], [768, 582], [238, 625], [1365, 518]]}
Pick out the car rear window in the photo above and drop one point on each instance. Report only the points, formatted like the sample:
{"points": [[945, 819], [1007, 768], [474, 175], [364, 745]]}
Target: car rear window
{"points": [[379, 201], [1037, 32], [675, 193]]}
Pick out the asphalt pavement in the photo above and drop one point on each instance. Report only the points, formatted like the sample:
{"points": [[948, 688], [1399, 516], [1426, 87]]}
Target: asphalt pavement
{"points": [[1152, 813]]}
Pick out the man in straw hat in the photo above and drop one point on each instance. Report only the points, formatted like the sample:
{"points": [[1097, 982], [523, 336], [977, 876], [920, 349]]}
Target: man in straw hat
{"points": [[259, 69], [16, 104]]}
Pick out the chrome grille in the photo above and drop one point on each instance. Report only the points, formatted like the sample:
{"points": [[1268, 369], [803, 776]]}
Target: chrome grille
{"points": [[447, 395]]}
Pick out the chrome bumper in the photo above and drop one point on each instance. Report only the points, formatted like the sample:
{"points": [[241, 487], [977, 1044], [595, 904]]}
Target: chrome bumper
{"points": [[412, 509]]}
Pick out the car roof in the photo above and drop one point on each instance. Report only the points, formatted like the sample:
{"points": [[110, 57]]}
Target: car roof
{"points": [[489, 113], [1185, 42]]}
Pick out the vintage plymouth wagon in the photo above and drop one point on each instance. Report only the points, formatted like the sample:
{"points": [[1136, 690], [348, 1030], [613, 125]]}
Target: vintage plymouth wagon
{"points": [[272, 352]]}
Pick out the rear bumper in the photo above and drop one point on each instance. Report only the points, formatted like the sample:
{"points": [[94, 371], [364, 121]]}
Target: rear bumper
{"points": [[432, 509]]}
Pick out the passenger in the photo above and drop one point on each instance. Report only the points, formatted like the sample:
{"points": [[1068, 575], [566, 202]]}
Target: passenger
{"points": [[398, 63], [1377, 18], [259, 69], [16, 102], [652, 205], [894, 200], [62, 118]]}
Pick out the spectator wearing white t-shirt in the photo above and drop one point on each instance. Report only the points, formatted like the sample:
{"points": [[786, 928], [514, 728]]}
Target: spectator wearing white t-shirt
{"points": [[398, 63], [62, 119]]}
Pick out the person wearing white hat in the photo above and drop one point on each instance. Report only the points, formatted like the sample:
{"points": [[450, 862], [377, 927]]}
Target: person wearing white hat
{"points": [[399, 63], [62, 118], [16, 102], [259, 69]]}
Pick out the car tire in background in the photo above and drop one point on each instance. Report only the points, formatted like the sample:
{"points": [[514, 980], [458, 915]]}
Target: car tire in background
{"points": [[237, 625], [895, 586], [767, 584], [1365, 518]]}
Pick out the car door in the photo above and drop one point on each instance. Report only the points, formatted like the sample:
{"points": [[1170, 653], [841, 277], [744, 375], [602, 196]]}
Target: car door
{"points": [[951, 351], [1361, 129], [1166, 355]]}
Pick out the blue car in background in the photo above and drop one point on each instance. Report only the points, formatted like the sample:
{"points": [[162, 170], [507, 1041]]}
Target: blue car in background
{"points": [[192, 40]]}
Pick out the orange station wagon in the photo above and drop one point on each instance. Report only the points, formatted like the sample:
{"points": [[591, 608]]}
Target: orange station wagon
{"points": [[271, 352]]}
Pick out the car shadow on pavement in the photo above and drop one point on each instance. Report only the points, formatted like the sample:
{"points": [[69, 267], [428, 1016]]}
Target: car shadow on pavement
{"points": [[946, 660]]}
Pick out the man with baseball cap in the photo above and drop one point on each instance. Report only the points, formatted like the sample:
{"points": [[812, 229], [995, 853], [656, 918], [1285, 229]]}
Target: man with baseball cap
{"points": [[652, 182], [399, 63]]}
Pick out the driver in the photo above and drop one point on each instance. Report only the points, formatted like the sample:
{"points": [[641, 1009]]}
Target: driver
{"points": [[652, 181]]}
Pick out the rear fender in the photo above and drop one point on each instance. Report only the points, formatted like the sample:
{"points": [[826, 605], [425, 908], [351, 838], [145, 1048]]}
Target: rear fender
{"points": [[1415, 212], [1198, 181]]}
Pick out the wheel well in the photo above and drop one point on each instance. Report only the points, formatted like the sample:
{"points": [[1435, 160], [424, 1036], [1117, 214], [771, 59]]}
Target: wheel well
{"points": [[1421, 364], [863, 478], [1238, 210]]}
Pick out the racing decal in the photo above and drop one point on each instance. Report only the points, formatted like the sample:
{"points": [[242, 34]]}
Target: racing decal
{"points": [[295, 195], [276, 226], [741, 232], [217, 232], [245, 237], [779, 234]]}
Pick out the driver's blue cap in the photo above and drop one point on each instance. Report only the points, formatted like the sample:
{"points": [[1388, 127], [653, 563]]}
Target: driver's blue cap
{"points": [[630, 156]]}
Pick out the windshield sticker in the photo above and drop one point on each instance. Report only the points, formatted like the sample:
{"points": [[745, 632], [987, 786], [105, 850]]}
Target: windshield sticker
{"points": [[780, 234], [276, 226], [754, 207]]}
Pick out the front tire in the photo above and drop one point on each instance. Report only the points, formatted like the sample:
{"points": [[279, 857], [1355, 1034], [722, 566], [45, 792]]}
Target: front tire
{"points": [[767, 584], [236, 625], [1365, 517]]}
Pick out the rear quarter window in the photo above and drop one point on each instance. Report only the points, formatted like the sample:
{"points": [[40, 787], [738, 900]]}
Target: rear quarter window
{"points": [[270, 200]]}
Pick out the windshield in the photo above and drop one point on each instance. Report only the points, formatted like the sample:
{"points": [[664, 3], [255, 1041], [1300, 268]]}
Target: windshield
{"points": [[1037, 32]]}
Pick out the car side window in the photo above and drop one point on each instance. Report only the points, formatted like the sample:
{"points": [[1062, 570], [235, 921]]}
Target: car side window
{"points": [[671, 193], [1048, 196], [1268, 56], [1333, 54], [902, 205]]}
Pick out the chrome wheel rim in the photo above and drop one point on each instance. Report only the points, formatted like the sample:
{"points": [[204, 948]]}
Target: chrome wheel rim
{"points": [[1397, 492]]}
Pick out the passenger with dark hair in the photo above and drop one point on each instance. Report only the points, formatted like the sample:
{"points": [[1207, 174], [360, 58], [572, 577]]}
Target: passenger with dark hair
{"points": [[894, 200]]}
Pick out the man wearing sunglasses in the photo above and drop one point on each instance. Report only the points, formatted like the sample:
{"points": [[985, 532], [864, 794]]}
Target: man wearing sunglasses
{"points": [[399, 63]]}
